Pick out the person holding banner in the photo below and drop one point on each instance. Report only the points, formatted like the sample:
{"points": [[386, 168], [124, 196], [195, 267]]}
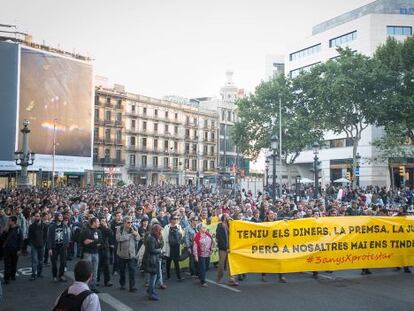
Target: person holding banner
{"points": [[202, 250], [222, 236]]}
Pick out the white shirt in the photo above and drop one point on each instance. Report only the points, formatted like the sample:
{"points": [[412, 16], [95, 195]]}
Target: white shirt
{"points": [[91, 303]]}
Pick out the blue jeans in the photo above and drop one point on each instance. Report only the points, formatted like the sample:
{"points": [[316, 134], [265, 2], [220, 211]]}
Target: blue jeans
{"points": [[203, 263], [93, 258], [151, 284], [37, 260]]}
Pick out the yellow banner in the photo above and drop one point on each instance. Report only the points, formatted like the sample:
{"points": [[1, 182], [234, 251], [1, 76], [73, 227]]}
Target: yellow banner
{"points": [[321, 244]]}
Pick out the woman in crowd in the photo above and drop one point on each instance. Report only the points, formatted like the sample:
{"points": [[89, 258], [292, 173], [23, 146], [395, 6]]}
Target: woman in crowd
{"points": [[202, 250], [153, 247]]}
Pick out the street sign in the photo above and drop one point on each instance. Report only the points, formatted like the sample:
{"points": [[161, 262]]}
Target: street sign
{"points": [[357, 172]]}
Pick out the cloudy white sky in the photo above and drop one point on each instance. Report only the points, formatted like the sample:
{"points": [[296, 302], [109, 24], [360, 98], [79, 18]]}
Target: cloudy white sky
{"points": [[180, 47]]}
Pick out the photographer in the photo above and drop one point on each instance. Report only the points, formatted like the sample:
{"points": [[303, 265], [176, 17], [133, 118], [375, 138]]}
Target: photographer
{"points": [[127, 250]]}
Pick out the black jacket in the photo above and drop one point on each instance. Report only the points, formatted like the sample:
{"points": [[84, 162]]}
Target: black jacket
{"points": [[12, 239], [37, 234], [107, 238], [152, 254], [222, 238], [91, 234]]}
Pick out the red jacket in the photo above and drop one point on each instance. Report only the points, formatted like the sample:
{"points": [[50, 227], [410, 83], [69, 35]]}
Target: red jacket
{"points": [[197, 245]]}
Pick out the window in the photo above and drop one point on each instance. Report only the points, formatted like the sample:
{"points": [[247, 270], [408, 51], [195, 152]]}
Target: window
{"points": [[155, 144], [229, 115], [144, 161], [144, 142], [205, 150], [213, 123], [166, 145], [119, 104], [133, 108], [175, 163], [175, 146], [118, 155], [223, 115], [144, 125], [166, 162], [132, 159], [348, 142], [187, 148], [213, 136], [186, 164], [206, 123], [212, 150], [194, 148], [118, 136], [156, 112], [194, 165], [166, 114], [96, 132], [296, 72], [187, 120], [107, 134], [399, 30], [176, 116], [144, 110], [305, 52], [119, 117], [95, 154], [108, 115], [166, 128], [212, 167], [107, 153], [155, 127], [97, 99], [176, 130], [187, 133], [155, 162], [96, 114], [108, 100], [205, 135], [336, 143], [338, 41], [205, 165], [132, 140], [133, 124]]}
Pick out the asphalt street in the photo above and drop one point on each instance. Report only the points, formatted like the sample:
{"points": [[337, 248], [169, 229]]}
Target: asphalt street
{"points": [[385, 289]]}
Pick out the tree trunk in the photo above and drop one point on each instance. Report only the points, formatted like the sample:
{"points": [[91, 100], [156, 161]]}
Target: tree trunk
{"points": [[354, 164]]}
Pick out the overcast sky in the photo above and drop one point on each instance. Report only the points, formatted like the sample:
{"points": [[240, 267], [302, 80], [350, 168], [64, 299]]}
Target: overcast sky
{"points": [[180, 47]]}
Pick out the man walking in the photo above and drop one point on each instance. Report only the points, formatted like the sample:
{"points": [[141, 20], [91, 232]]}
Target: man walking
{"points": [[91, 241], [58, 241], [37, 243], [13, 239]]}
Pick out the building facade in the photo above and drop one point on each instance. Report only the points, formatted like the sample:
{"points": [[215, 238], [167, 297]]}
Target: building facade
{"points": [[169, 142], [362, 30], [108, 147]]}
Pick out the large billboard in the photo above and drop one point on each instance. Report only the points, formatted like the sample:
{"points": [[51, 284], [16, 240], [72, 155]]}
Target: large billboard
{"points": [[55, 93]]}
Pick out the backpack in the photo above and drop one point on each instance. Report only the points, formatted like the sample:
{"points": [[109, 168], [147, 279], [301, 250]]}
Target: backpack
{"points": [[71, 302]]}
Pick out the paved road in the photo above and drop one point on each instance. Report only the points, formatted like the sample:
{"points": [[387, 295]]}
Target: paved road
{"points": [[345, 290]]}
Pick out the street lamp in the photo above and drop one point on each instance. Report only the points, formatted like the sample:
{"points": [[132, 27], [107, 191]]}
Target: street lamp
{"points": [[267, 174], [316, 148], [274, 143], [24, 158], [357, 172]]}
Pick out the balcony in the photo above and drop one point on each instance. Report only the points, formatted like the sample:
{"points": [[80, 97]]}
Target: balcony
{"points": [[108, 123], [119, 142], [109, 141], [110, 161], [118, 123], [108, 104]]}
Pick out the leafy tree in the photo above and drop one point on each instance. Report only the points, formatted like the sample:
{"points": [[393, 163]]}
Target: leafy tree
{"points": [[395, 110], [340, 95], [259, 119]]}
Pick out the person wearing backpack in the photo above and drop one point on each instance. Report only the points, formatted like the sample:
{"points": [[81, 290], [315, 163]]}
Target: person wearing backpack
{"points": [[78, 297]]}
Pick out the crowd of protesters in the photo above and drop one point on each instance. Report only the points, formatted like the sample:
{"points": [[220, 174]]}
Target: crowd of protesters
{"points": [[147, 229]]}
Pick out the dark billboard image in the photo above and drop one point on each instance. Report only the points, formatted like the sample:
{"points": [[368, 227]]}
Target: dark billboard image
{"points": [[56, 90]]}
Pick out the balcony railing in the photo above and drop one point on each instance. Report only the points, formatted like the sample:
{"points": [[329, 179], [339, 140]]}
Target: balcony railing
{"points": [[110, 161]]}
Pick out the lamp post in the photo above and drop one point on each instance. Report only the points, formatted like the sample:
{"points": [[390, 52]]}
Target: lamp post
{"points": [[24, 158], [316, 148], [357, 172], [267, 174], [274, 142]]}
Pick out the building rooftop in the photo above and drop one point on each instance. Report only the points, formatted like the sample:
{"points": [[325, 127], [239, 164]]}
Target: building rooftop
{"points": [[9, 33], [377, 7]]}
